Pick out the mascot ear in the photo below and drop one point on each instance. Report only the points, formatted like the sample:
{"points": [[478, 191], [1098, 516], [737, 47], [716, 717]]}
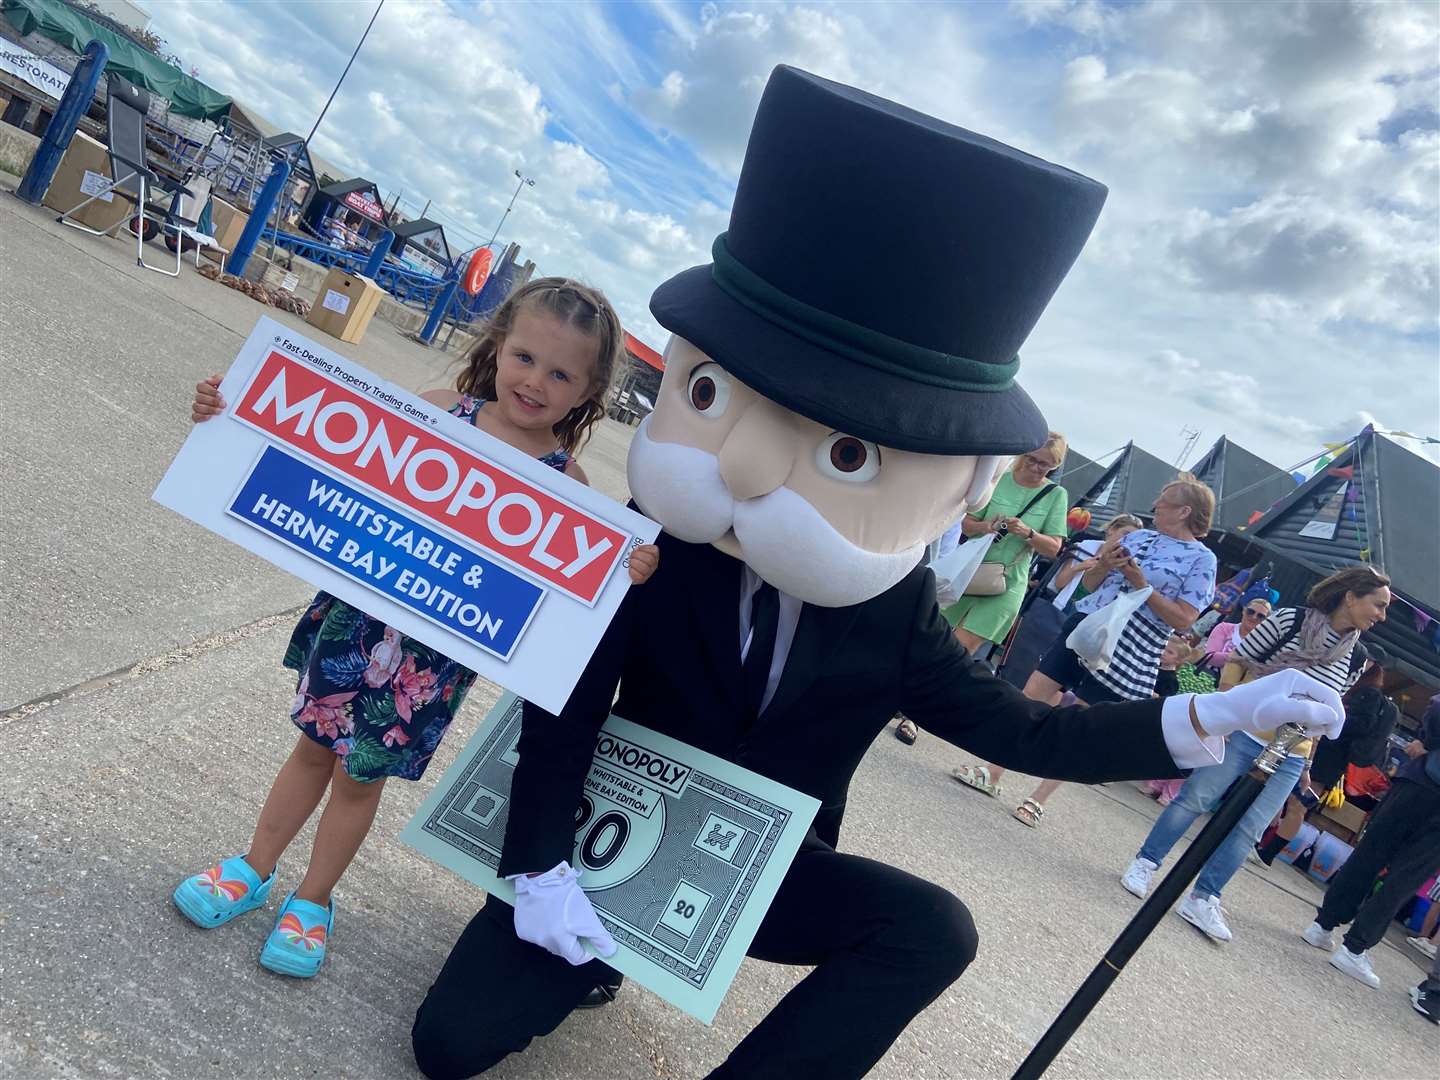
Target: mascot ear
{"points": [[988, 470]]}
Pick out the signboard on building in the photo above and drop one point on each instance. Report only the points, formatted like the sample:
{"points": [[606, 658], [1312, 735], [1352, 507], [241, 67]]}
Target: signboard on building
{"points": [[24, 65], [364, 203]]}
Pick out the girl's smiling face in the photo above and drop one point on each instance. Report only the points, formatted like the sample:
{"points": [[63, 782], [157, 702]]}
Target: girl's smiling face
{"points": [[544, 369]]}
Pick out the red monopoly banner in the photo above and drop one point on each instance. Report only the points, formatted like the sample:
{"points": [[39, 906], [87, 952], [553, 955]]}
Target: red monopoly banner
{"points": [[450, 486]]}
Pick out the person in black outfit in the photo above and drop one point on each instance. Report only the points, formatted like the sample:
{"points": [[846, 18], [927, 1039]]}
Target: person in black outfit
{"points": [[790, 617], [1403, 836]]}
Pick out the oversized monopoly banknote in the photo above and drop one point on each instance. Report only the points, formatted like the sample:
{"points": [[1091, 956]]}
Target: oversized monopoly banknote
{"points": [[681, 851]]}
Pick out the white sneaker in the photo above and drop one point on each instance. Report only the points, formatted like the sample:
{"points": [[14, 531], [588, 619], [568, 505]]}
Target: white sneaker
{"points": [[1357, 967], [1137, 879], [1317, 935], [1426, 947], [1203, 913]]}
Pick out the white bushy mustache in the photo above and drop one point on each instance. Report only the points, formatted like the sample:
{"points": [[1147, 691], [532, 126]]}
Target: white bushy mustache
{"points": [[782, 537]]}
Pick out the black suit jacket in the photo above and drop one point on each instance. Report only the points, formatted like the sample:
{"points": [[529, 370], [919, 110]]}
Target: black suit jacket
{"points": [[674, 650]]}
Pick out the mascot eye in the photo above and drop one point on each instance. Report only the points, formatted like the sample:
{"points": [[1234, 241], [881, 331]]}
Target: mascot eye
{"points": [[844, 457], [709, 390]]}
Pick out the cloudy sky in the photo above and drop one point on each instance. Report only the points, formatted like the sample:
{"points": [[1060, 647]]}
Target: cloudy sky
{"points": [[1267, 266]]}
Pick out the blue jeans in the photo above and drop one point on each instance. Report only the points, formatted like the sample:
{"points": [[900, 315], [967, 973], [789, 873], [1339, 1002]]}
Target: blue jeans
{"points": [[1202, 793]]}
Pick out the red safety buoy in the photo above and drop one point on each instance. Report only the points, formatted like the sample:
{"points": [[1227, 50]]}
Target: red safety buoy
{"points": [[478, 272]]}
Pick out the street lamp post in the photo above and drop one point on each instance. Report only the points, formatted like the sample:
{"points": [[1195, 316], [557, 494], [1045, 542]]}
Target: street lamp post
{"points": [[524, 181]]}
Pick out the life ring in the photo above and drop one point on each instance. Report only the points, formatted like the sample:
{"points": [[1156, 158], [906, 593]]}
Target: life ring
{"points": [[478, 272]]}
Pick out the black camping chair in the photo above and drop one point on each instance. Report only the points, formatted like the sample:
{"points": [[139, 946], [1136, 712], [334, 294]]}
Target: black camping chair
{"points": [[131, 179]]}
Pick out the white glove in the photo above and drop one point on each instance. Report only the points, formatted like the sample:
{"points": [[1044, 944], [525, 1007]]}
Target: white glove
{"points": [[1286, 697], [553, 912]]}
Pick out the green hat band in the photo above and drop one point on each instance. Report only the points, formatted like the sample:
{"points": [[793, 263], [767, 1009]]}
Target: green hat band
{"points": [[859, 343]]}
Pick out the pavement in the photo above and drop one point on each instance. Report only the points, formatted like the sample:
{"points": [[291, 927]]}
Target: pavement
{"points": [[143, 714]]}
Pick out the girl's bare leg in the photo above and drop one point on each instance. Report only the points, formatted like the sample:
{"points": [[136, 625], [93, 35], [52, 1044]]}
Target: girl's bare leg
{"points": [[343, 827], [297, 790]]}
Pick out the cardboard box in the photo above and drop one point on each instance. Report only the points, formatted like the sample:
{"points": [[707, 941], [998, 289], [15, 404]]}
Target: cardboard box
{"points": [[1345, 822], [345, 305], [83, 170], [229, 222]]}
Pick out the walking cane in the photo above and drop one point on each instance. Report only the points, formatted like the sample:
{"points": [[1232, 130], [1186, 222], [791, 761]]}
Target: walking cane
{"points": [[1153, 910]]}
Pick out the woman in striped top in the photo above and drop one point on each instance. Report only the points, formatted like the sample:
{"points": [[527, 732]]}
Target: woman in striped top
{"points": [[1318, 639]]}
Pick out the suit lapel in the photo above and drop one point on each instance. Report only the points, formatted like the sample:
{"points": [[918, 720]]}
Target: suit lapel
{"points": [[817, 634]]}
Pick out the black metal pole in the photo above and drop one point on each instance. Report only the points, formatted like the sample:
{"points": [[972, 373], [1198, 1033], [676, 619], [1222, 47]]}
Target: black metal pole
{"points": [[1241, 796]]}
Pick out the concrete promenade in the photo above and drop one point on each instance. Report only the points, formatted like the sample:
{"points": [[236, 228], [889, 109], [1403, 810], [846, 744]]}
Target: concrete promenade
{"points": [[143, 714]]}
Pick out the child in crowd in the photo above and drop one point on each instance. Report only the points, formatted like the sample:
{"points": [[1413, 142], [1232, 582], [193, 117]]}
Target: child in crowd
{"points": [[372, 703]]}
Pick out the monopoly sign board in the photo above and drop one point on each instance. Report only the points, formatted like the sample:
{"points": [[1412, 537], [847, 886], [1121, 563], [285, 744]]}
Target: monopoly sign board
{"points": [[407, 513]]}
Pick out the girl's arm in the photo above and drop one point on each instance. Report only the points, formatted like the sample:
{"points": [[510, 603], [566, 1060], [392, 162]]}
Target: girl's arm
{"points": [[1070, 569]]}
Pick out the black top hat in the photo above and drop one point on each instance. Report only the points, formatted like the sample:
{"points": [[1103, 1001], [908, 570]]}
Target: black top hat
{"points": [[882, 268]]}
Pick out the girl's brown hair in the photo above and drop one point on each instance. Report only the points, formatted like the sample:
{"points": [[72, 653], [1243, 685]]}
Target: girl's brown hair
{"points": [[575, 305], [1329, 593]]}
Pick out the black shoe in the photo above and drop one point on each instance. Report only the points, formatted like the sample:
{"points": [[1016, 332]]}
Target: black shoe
{"points": [[906, 730], [1426, 1002], [602, 995]]}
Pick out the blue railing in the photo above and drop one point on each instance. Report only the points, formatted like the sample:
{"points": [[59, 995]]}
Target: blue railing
{"points": [[407, 286]]}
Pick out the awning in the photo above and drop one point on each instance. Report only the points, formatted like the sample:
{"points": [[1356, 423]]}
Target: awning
{"points": [[68, 27]]}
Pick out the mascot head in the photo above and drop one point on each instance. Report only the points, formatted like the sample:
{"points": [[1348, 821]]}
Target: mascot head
{"points": [[840, 385]]}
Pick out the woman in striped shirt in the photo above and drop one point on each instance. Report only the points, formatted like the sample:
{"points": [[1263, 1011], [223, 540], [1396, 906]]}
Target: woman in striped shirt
{"points": [[1318, 639]]}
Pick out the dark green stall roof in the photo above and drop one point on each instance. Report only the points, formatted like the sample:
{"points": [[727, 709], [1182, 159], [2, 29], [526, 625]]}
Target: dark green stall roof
{"points": [[68, 27]]}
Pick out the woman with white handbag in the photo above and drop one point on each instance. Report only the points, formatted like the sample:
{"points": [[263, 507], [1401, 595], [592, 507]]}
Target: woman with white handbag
{"points": [[1024, 517], [1143, 587]]}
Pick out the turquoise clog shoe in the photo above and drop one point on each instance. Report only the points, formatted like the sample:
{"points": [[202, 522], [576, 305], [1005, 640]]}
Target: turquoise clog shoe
{"points": [[217, 895], [296, 946]]}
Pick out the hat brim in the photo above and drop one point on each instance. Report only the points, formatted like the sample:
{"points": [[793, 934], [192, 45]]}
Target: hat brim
{"points": [[837, 391]]}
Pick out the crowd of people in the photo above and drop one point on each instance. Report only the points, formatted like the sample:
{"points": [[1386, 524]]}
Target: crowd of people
{"points": [[1160, 651]]}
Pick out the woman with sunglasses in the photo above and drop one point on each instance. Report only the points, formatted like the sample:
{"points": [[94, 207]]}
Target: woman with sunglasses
{"points": [[1026, 515], [1225, 638]]}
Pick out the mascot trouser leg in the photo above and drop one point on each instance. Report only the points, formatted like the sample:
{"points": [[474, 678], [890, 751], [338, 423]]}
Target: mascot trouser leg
{"points": [[884, 945]]}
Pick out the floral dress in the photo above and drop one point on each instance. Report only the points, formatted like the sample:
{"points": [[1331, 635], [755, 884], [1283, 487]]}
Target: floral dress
{"points": [[382, 701]]}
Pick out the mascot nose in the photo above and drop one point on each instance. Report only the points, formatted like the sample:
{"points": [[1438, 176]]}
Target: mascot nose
{"points": [[758, 452]]}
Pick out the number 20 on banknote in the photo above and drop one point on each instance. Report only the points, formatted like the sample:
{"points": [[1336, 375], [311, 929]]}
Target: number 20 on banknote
{"points": [[681, 851]]}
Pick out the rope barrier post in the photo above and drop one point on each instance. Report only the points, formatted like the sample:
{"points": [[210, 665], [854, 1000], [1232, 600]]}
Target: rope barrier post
{"points": [[378, 253], [440, 310], [259, 217], [73, 105]]}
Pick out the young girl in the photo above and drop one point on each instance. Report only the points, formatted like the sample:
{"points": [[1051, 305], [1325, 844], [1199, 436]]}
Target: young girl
{"points": [[372, 703]]}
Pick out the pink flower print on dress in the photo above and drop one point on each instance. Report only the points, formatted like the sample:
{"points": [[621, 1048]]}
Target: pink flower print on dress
{"points": [[330, 714], [413, 689], [395, 736], [302, 694], [384, 658]]}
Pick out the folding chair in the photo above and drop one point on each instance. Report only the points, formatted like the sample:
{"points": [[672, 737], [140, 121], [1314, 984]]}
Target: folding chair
{"points": [[126, 106]]}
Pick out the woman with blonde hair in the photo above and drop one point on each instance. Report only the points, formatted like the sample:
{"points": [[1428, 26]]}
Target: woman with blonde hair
{"points": [[1026, 517]]}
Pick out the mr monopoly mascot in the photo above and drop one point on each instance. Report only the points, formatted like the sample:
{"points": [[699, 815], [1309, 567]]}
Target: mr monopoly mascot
{"points": [[839, 387]]}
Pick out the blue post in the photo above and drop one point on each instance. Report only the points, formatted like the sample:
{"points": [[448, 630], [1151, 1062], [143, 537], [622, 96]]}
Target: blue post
{"points": [[438, 312], [378, 253], [259, 218], [73, 106]]}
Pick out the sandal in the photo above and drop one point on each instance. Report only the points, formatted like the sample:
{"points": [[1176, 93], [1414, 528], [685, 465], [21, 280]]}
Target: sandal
{"points": [[906, 731], [977, 777], [296, 946], [1029, 813], [217, 895]]}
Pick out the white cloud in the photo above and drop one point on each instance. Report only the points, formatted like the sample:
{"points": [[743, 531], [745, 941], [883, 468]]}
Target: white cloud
{"points": [[1265, 266]]}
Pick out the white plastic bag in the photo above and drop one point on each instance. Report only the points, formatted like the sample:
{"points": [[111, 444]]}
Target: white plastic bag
{"points": [[1096, 636], [954, 570]]}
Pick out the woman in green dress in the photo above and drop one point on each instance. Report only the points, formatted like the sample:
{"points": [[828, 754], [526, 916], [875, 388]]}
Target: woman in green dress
{"points": [[1031, 525], [1024, 526]]}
